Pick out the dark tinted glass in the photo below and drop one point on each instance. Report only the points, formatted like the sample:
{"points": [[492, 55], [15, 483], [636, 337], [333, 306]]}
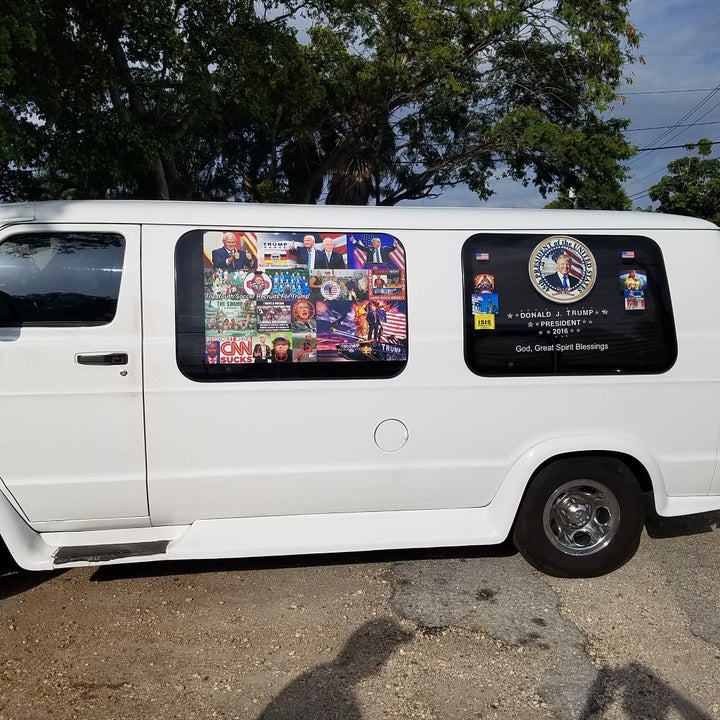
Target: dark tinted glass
{"points": [[60, 278], [566, 305]]}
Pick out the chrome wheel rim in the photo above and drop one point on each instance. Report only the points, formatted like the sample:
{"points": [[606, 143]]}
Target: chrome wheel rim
{"points": [[581, 517]]}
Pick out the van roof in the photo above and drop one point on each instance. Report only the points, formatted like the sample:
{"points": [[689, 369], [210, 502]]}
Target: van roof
{"points": [[258, 216]]}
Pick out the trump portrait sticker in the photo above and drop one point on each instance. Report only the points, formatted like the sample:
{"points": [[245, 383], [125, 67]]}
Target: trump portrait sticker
{"points": [[562, 269]]}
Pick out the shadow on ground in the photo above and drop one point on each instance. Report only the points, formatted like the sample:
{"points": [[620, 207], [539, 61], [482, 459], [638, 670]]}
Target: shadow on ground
{"points": [[640, 694], [670, 527], [14, 580], [108, 573], [327, 691]]}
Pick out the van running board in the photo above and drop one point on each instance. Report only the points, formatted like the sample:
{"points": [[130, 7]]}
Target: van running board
{"points": [[104, 553]]}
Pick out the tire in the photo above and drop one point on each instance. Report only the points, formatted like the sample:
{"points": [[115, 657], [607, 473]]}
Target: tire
{"points": [[580, 517]]}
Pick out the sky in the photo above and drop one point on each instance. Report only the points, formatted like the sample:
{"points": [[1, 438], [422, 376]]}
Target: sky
{"points": [[679, 83]]}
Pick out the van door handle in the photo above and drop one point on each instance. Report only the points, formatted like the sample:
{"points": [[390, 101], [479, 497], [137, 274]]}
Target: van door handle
{"points": [[102, 359]]}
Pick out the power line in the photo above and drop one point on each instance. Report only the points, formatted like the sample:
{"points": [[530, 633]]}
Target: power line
{"points": [[643, 193], [665, 41], [665, 127], [665, 92], [668, 134], [674, 132], [673, 147], [654, 55], [645, 177]]}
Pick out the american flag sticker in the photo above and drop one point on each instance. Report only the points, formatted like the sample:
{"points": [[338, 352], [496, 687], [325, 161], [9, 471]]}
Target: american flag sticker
{"points": [[627, 254], [482, 256], [394, 322]]}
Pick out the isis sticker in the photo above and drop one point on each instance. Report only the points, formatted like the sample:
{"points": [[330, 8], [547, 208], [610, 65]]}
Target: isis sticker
{"points": [[562, 269]]}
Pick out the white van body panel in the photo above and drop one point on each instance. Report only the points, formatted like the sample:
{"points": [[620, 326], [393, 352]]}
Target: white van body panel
{"points": [[190, 475], [73, 434], [254, 468]]}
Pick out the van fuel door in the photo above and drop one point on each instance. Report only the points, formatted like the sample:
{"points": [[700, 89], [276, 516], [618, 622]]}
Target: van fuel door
{"points": [[391, 435]]}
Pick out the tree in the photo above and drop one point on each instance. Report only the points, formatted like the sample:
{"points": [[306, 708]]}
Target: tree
{"points": [[132, 99], [351, 101], [693, 185], [591, 195]]}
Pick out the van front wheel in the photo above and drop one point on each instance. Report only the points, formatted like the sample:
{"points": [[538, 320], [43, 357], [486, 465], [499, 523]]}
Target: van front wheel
{"points": [[581, 517]]}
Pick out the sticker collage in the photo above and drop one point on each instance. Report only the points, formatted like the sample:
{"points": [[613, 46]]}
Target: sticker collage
{"points": [[294, 297]]}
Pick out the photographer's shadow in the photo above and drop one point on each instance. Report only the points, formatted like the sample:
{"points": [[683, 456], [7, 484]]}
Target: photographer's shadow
{"points": [[640, 694], [327, 691]]}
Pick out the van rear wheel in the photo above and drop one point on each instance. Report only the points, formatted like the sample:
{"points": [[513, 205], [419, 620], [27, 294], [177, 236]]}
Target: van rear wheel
{"points": [[580, 517]]}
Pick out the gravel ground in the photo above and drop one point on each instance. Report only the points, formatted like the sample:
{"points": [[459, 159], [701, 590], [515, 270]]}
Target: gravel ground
{"points": [[453, 634]]}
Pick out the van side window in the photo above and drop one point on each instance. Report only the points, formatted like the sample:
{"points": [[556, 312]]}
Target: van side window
{"points": [[290, 305], [59, 278], [556, 304]]}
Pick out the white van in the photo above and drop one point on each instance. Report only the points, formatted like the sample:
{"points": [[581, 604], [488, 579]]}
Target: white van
{"points": [[187, 380]]}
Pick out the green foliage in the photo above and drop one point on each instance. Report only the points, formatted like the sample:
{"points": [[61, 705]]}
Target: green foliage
{"points": [[591, 195], [692, 187], [375, 101]]}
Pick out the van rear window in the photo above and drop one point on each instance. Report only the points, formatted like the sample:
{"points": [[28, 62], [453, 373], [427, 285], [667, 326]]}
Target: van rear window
{"points": [[289, 305], [539, 304]]}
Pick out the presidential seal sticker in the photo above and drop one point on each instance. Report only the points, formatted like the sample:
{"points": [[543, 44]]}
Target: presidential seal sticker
{"points": [[562, 269]]}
